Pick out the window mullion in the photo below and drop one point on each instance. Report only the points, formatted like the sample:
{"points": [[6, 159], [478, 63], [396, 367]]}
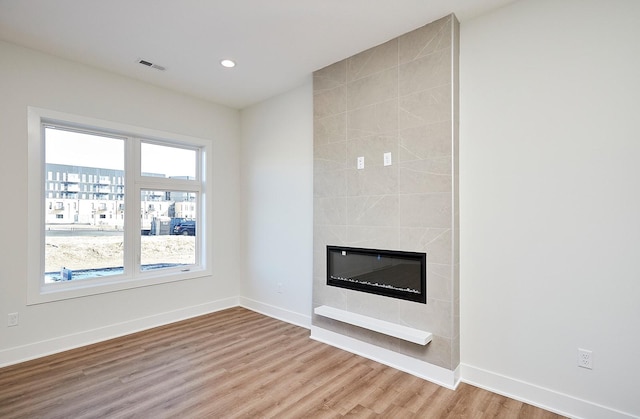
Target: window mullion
{"points": [[132, 207]]}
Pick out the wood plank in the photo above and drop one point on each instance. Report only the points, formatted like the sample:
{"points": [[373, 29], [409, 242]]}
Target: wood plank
{"points": [[231, 364]]}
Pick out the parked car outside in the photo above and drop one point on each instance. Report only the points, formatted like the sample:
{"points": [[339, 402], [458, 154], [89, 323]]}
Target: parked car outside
{"points": [[185, 228]]}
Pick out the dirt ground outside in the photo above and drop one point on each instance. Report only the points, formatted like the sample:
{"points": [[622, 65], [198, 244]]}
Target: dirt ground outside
{"points": [[96, 252]]}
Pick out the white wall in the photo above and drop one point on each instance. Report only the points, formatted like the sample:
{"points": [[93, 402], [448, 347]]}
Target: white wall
{"points": [[550, 201], [548, 150], [29, 78], [277, 181]]}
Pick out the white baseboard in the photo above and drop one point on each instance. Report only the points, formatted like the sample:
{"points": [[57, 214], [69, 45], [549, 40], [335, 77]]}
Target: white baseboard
{"points": [[276, 312], [421, 369], [544, 398], [35, 350]]}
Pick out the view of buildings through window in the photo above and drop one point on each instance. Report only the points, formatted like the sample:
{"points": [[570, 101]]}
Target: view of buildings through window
{"points": [[85, 205]]}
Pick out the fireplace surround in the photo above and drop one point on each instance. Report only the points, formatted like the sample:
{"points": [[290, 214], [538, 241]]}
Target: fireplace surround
{"points": [[399, 98]]}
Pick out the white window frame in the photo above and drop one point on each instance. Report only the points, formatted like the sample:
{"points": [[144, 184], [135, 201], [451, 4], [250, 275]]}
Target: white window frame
{"points": [[40, 292]]}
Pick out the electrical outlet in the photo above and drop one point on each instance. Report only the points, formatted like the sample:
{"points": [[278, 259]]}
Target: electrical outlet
{"points": [[386, 159], [585, 358], [279, 288], [12, 320], [360, 163]]}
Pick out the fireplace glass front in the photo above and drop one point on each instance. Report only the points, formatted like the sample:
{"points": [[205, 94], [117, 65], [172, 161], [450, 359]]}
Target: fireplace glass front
{"points": [[390, 273]]}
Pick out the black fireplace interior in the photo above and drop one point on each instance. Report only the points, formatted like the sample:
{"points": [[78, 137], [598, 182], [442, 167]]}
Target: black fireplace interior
{"points": [[384, 272]]}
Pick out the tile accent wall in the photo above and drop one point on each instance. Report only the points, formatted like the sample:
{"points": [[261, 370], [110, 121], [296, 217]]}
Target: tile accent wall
{"points": [[399, 97]]}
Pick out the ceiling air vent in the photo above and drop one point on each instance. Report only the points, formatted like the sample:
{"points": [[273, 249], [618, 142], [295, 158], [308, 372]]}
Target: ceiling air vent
{"points": [[152, 65]]}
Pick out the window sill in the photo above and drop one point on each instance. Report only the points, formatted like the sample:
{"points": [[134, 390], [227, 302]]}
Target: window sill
{"points": [[83, 288]]}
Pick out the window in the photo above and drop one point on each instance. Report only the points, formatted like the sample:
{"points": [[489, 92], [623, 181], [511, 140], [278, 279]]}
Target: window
{"points": [[160, 228]]}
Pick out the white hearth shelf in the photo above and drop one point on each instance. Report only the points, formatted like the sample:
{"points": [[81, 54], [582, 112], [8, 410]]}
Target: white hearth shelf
{"points": [[387, 328]]}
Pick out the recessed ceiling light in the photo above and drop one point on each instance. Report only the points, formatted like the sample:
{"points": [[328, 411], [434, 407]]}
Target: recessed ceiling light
{"points": [[228, 63]]}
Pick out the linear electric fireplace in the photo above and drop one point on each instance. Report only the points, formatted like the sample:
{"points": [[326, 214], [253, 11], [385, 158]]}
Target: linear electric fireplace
{"points": [[384, 272]]}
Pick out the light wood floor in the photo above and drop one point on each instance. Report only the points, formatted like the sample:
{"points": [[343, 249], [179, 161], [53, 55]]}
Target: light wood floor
{"points": [[233, 363]]}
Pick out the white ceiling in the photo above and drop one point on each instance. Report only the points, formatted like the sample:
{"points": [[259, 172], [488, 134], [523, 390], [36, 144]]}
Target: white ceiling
{"points": [[276, 43]]}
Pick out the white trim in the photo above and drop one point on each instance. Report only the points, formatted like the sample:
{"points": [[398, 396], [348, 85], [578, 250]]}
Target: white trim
{"points": [[276, 312], [35, 350], [435, 374], [37, 291], [409, 334], [551, 400]]}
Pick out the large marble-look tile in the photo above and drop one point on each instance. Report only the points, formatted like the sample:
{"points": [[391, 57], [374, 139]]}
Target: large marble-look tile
{"points": [[425, 210], [330, 129], [440, 352], [439, 284], [379, 210], [330, 211], [425, 176], [330, 157], [376, 88], [376, 180], [455, 351], [425, 40], [319, 266], [455, 330], [413, 315], [330, 324], [330, 184], [376, 306], [320, 249], [425, 141], [373, 60], [330, 296], [372, 149], [324, 234], [425, 107], [456, 279], [330, 77], [427, 72], [435, 242], [330, 102], [378, 119], [372, 237], [434, 317]]}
